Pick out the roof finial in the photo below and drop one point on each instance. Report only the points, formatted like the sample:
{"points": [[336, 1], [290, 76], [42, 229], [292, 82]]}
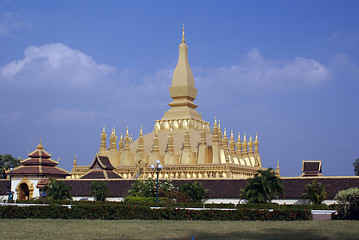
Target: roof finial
{"points": [[183, 40], [40, 146]]}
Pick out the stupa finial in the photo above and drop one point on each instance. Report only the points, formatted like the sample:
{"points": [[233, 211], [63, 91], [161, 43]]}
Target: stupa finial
{"points": [[183, 39]]}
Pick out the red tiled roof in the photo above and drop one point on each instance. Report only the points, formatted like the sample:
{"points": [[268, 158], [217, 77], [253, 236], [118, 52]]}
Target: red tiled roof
{"points": [[49, 170], [39, 153], [26, 170], [100, 174], [39, 161], [40, 171], [42, 183], [106, 162]]}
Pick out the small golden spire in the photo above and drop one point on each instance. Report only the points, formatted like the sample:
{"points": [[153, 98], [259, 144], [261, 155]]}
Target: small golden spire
{"points": [[232, 137], [103, 129], [278, 170], [141, 133], [239, 137], [75, 162], [183, 40]]}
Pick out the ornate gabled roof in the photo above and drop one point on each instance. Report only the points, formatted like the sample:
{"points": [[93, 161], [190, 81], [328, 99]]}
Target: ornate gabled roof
{"points": [[311, 168], [39, 163], [39, 152], [101, 162], [101, 168]]}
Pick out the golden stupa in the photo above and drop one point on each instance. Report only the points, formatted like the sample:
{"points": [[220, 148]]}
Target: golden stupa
{"points": [[182, 141]]}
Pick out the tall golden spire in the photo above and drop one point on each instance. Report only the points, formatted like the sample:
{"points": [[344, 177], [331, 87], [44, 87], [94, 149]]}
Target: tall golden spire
{"points": [[182, 91]]}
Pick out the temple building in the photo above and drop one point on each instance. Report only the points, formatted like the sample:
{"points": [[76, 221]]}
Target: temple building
{"points": [[34, 173], [186, 145]]}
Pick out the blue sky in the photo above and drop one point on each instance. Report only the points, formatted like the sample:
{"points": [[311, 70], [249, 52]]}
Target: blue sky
{"points": [[288, 70]]}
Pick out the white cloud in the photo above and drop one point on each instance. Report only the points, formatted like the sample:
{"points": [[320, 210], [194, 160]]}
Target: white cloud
{"points": [[10, 22], [55, 64], [256, 71]]}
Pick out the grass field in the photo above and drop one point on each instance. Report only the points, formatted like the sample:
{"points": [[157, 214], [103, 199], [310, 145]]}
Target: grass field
{"points": [[136, 229]]}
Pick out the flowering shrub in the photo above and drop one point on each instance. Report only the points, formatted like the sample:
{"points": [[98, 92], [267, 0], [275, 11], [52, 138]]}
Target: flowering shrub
{"points": [[348, 201], [113, 212]]}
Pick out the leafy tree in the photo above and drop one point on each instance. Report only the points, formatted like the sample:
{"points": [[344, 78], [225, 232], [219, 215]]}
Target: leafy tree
{"points": [[263, 187], [315, 192], [58, 190], [147, 188], [100, 190], [6, 162], [195, 190], [356, 167], [348, 201]]}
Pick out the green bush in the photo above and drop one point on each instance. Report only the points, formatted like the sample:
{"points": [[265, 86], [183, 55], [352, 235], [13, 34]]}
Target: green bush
{"points": [[112, 212], [348, 204]]}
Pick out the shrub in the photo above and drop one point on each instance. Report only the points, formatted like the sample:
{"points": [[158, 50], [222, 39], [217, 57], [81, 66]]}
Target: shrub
{"points": [[348, 204], [195, 190]]}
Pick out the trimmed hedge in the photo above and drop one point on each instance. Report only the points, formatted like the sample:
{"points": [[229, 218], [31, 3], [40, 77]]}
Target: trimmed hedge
{"points": [[273, 206], [220, 205], [112, 212]]}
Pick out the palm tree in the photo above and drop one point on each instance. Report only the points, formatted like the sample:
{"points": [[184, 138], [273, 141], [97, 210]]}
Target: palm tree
{"points": [[263, 187], [100, 190], [194, 190], [315, 192], [58, 190]]}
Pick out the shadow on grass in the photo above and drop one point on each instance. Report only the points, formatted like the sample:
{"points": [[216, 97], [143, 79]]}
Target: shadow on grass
{"points": [[270, 234]]}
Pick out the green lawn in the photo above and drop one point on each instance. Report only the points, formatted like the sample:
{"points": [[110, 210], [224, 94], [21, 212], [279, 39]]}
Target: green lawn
{"points": [[137, 229]]}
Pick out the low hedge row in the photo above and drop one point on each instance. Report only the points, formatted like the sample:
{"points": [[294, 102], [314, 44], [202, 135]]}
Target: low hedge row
{"points": [[274, 206], [108, 212]]}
